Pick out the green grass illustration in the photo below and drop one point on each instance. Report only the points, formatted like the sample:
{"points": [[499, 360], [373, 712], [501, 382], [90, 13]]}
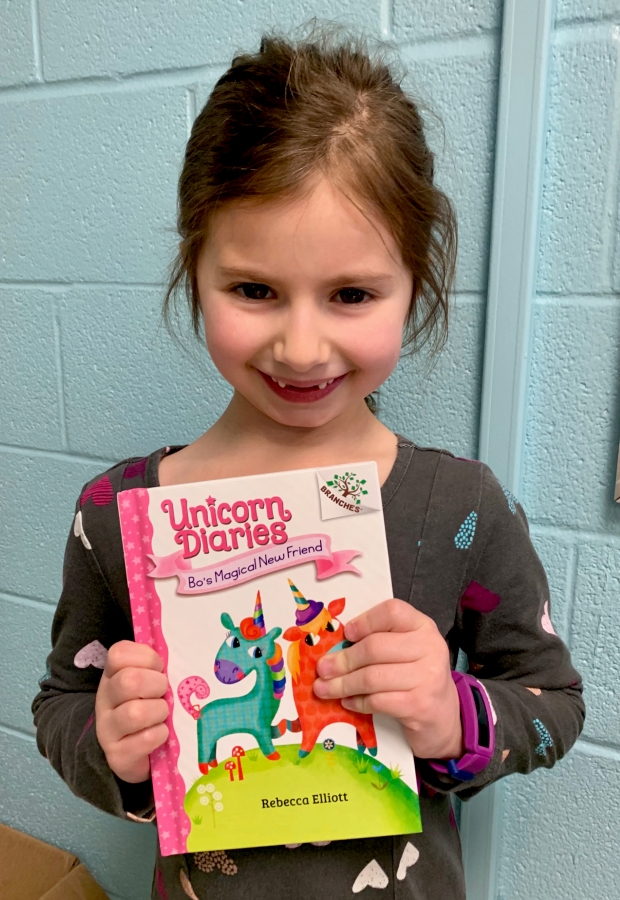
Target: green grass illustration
{"points": [[243, 819], [362, 762]]}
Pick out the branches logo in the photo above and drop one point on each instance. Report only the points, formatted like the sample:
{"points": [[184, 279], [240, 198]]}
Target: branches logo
{"points": [[349, 486], [349, 493]]}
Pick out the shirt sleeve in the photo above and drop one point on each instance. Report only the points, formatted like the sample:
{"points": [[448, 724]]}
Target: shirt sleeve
{"points": [[504, 627], [87, 621]]}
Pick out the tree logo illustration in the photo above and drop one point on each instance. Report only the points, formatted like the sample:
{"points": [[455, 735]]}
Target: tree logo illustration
{"points": [[349, 486]]}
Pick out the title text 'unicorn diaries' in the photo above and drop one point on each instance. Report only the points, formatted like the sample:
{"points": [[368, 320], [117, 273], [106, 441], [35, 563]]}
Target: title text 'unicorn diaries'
{"points": [[241, 585]]}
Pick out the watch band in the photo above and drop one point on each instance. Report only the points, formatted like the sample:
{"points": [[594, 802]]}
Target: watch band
{"points": [[478, 731]]}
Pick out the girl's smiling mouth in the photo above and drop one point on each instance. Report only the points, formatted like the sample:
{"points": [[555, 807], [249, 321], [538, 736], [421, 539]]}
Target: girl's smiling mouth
{"points": [[300, 392]]}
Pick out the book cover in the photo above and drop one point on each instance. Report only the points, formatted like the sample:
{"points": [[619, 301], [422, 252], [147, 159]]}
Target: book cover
{"points": [[241, 585]]}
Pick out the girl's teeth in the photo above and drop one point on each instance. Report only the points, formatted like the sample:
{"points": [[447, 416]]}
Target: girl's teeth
{"points": [[320, 386]]}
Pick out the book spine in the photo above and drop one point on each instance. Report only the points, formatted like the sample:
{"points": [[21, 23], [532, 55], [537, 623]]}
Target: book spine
{"points": [[173, 824]]}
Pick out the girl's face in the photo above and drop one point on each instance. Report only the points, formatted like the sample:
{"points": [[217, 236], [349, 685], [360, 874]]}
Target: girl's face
{"points": [[303, 305]]}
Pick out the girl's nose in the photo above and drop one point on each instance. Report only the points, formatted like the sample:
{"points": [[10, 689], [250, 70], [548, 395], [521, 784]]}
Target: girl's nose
{"points": [[302, 343]]}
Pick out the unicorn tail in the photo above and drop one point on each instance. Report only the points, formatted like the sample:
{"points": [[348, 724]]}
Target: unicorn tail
{"points": [[192, 685], [283, 726], [278, 677]]}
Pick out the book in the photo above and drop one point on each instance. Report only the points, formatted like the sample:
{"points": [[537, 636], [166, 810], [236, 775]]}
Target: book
{"points": [[241, 585]]}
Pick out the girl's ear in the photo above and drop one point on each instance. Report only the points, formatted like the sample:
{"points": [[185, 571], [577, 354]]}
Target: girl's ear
{"points": [[227, 622], [274, 633]]}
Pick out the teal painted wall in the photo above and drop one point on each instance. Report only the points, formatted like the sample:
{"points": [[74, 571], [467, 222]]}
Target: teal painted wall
{"points": [[96, 102], [560, 828]]}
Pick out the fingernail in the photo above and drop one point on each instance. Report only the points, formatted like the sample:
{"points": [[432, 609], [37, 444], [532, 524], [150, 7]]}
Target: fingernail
{"points": [[350, 630], [325, 667], [320, 688]]}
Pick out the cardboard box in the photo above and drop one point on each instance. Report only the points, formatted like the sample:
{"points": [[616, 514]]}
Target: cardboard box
{"points": [[33, 870]]}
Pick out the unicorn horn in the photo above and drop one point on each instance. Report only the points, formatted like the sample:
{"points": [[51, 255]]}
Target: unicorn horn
{"points": [[259, 621], [300, 600], [305, 610]]}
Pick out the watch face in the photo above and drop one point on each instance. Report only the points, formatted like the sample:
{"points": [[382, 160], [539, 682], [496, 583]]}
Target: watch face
{"points": [[483, 722]]}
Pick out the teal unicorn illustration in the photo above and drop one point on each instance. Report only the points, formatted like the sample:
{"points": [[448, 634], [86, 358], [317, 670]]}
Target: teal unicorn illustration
{"points": [[248, 648]]}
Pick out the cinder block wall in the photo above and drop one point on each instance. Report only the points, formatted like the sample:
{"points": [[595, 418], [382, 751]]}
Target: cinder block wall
{"points": [[96, 102], [560, 828]]}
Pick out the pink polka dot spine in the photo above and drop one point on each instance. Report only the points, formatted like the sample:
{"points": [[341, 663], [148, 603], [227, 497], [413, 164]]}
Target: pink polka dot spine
{"points": [[173, 824]]}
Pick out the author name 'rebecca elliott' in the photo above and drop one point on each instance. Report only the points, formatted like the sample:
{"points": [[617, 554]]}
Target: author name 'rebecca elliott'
{"points": [[304, 801]]}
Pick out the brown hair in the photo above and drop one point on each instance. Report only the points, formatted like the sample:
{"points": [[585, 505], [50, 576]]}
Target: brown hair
{"points": [[293, 111]]}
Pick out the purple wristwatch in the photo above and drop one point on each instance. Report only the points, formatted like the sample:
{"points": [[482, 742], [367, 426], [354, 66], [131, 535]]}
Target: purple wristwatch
{"points": [[478, 731]]}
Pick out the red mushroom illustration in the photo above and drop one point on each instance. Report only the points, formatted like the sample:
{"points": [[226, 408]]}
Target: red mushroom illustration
{"points": [[238, 752], [230, 767]]}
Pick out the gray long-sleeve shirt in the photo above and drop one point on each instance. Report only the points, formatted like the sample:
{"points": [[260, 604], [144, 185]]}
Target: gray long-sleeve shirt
{"points": [[460, 552]]}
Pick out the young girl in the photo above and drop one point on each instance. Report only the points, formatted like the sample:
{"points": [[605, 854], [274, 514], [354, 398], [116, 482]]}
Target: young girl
{"points": [[314, 244]]}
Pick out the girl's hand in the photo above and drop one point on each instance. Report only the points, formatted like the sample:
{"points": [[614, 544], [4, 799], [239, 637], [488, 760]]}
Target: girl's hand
{"points": [[129, 709], [399, 666]]}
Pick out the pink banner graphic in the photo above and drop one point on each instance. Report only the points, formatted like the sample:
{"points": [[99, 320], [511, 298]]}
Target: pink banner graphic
{"points": [[314, 548]]}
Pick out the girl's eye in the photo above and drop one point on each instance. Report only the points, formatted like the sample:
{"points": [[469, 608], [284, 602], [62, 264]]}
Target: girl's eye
{"points": [[329, 627], [233, 641], [353, 295], [312, 640], [255, 652], [254, 291], [250, 287]]}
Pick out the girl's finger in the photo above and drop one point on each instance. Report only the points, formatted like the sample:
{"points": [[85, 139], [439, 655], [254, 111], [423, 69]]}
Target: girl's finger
{"points": [[391, 615], [389, 703], [379, 647], [129, 653], [129, 750], [369, 680], [132, 684], [135, 716]]}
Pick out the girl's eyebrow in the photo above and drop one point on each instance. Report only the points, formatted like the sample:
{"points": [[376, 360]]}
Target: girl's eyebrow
{"points": [[345, 278]]}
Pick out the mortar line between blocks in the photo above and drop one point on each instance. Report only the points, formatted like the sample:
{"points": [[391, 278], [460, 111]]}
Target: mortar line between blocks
{"points": [[610, 229], [109, 84], [60, 379], [59, 287], [30, 602], [592, 30], [597, 300], [569, 591], [190, 109], [564, 533], [18, 733], [386, 16], [468, 44], [579, 22], [37, 43], [591, 747], [434, 47], [62, 455]]}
